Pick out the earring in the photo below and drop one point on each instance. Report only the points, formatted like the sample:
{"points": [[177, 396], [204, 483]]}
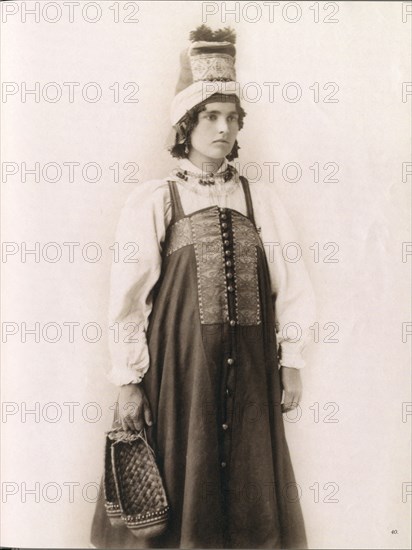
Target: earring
{"points": [[186, 148]]}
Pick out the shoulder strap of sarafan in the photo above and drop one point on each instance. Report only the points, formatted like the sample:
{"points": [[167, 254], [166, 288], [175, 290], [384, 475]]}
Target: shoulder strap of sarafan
{"points": [[249, 205], [177, 209]]}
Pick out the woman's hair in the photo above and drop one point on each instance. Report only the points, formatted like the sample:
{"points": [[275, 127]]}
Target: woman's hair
{"points": [[188, 123]]}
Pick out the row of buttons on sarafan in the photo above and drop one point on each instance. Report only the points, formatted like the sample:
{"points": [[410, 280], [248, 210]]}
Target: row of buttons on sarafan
{"points": [[228, 252]]}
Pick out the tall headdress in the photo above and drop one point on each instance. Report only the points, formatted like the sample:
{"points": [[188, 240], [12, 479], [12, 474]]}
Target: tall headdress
{"points": [[207, 68]]}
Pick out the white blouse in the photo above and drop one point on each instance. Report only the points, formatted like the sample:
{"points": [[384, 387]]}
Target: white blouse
{"points": [[143, 222]]}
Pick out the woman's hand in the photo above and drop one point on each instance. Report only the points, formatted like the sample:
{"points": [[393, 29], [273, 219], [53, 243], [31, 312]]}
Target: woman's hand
{"points": [[292, 387], [134, 408]]}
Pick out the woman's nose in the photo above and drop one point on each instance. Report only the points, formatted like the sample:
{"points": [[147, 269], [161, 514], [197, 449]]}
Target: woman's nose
{"points": [[223, 126]]}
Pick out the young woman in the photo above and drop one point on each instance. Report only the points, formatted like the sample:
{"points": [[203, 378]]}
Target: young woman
{"points": [[212, 294]]}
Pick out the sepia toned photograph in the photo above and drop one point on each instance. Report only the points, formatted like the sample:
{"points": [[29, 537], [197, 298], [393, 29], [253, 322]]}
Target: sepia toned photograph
{"points": [[206, 274]]}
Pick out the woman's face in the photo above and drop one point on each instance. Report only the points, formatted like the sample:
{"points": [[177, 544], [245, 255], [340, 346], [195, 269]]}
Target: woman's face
{"points": [[215, 134]]}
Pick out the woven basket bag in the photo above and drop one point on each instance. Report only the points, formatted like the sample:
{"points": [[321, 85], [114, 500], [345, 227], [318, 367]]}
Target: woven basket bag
{"points": [[134, 491]]}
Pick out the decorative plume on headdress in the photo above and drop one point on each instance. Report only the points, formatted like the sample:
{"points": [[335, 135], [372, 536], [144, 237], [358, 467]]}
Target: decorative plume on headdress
{"points": [[204, 33], [207, 67]]}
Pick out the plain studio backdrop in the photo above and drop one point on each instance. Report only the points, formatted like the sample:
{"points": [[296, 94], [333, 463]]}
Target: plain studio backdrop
{"points": [[327, 120]]}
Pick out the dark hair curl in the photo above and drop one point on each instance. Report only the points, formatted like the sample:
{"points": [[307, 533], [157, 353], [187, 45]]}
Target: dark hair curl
{"points": [[188, 123]]}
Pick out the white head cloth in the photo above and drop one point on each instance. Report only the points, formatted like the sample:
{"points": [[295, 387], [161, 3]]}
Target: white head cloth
{"points": [[198, 92]]}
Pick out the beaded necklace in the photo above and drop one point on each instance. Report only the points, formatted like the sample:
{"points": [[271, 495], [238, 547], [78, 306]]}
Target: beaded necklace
{"points": [[209, 179]]}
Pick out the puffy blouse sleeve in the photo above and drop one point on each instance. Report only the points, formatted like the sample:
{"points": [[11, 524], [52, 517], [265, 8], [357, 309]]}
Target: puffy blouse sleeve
{"points": [[292, 292], [139, 237]]}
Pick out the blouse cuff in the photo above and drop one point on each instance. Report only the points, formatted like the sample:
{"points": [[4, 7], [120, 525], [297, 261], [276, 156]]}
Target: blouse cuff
{"points": [[120, 376], [291, 359], [292, 362]]}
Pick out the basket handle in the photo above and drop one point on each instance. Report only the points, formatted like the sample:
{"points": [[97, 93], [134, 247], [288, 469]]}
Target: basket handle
{"points": [[117, 434]]}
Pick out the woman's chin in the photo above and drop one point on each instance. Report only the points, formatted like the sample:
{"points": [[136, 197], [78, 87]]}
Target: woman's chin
{"points": [[219, 151]]}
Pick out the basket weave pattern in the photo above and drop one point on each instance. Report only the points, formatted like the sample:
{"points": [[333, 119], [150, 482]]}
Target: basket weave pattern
{"points": [[133, 485]]}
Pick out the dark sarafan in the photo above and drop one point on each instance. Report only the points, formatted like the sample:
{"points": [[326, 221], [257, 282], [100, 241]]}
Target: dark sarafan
{"points": [[214, 389]]}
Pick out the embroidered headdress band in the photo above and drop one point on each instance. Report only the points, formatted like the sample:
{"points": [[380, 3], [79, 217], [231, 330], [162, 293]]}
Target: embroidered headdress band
{"points": [[207, 68]]}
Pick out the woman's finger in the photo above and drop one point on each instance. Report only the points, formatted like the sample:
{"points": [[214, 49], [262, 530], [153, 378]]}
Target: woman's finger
{"points": [[138, 420], [292, 400], [127, 425], [130, 409], [147, 413], [289, 400], [286, 401]]}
